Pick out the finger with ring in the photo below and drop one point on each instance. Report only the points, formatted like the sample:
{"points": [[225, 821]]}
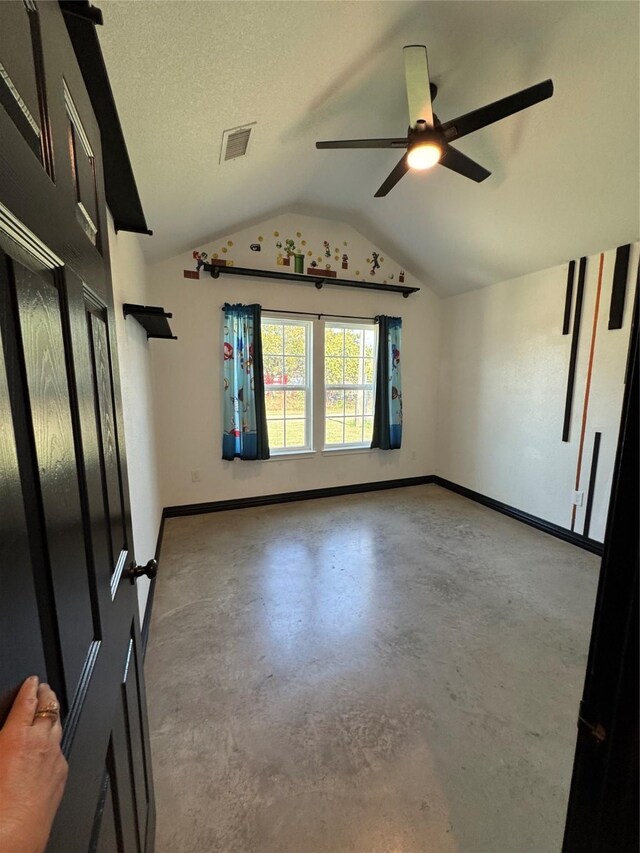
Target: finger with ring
{"points": [[48, 706], [51, 709]]}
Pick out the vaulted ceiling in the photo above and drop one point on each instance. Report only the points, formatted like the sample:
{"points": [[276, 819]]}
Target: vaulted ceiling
{"points": [[565, 172]]}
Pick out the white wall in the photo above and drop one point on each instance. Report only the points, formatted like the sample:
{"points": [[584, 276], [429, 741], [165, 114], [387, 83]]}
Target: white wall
{"points": [[129, 285], [503, 378], [484, 377], [187, 372]]}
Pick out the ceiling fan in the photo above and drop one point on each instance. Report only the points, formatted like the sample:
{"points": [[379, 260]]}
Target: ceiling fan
{"points": [[427, 140]]}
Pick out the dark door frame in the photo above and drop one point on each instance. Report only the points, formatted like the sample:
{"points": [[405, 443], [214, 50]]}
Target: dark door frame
{"points": [[602, 814]]}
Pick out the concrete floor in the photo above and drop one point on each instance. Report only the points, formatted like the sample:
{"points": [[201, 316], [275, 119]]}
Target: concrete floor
{"points": [[395, 671]]}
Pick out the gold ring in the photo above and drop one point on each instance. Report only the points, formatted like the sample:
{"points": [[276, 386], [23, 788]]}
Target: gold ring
{"points": [[51, 709]]}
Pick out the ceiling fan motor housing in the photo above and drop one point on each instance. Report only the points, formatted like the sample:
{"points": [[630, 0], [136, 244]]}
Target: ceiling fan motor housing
{"points": [[422, 134]]}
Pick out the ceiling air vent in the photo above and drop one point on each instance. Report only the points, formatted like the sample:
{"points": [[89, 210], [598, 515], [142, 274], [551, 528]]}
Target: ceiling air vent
{"points": [[235, 142]]}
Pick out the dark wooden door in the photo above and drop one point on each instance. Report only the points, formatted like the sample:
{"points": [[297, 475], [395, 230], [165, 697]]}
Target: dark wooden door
{"points": [[602, 816], [68, 610]]}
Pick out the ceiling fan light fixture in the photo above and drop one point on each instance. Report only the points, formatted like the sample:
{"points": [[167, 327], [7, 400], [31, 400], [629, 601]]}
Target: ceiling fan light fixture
{"points": [[427, 140], [425, 155]]}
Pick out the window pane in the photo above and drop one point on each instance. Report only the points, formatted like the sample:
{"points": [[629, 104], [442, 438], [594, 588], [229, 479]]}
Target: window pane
{"points": [[294, 370], [274, 403], [333, 341], [369, 402], [273, 369], [353, 340], [271, 339], [294, 430], [352, 430], [352, 371], [294, 340], [368, 430], [368, 370], [349, 360], [285, 348], [351, 402], [333, 371], [275, 430], [369, 343], [335, 403], [333, 431], [295, 404]]}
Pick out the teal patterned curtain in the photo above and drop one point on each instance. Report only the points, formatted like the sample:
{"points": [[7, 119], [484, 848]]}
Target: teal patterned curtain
{"points": [[245, 418], [387, 418]]}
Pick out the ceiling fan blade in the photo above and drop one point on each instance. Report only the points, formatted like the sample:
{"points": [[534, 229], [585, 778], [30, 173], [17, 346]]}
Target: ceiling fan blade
{"points": [[401, 169], [392, 142], [496, 111], [416, 72], [463, 165]]}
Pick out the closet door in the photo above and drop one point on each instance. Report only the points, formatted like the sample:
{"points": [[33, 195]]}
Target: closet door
{"points": [[68, 604]]}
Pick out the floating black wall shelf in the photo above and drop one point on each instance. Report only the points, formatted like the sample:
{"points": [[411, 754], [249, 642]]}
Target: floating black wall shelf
{"points": [[318, 280], [152, 319]]}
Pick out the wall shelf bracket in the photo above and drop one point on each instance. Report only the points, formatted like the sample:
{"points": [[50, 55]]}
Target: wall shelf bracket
{"points": [[152, 319]]}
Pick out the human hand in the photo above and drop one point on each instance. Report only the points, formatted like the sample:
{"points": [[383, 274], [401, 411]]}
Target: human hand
{"points": [[33, 770]]}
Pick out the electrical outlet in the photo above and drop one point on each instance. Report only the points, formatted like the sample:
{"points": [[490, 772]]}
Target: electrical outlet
{"points": [[195, 476], [577, 498]]}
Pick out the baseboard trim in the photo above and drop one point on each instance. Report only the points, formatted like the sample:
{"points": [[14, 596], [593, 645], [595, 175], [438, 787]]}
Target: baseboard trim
{"points": [[532, 520], [335, 491], [146, 622], [288, 497]]}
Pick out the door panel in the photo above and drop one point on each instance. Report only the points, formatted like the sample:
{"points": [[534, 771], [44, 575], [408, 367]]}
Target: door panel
{"points": [[22, 85], [82, 160], [67, 607], [35, 645], [106, 834], [122, 788], [39, 317], [107, 435], [132, 714], [125, 816], [18, 66], [49, 208], [20, 638]]}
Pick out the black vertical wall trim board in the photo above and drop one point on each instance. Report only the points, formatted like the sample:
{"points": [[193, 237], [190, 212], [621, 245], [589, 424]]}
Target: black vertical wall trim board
{"points": [[146, 622], [592, 482], [566, 323], [619, 287], [577, 316]]}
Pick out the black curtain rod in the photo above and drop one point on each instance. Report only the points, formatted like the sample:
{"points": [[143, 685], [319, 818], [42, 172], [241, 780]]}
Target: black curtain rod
{"points": [[316, 314]]}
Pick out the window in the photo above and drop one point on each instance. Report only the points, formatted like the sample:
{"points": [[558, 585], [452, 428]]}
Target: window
{"points": [[286, 346], [343, 398], [349, 370]]}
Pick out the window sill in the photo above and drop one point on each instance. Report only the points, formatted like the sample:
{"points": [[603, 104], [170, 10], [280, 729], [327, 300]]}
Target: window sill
{"points": [[341, 451], [291, 454], [310, 454]]}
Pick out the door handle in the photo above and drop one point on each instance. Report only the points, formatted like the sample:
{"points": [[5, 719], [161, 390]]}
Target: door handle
{"points": [[134, 571]]}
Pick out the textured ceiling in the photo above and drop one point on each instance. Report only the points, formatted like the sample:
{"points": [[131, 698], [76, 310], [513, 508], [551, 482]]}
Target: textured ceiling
{"points": [[565, 172]]}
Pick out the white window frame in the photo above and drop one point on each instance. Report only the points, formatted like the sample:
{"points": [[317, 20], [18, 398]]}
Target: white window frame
{"points": [[307, 325], [337, 324]]}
